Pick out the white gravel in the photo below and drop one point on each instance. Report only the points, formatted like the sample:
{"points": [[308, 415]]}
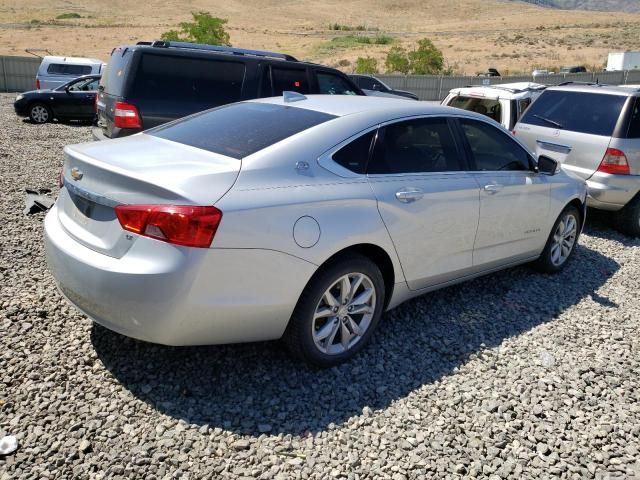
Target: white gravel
{"points": [[515, 375]]}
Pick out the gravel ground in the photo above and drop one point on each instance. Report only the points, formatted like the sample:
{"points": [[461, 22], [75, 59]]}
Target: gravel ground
{"points": [[517, 374]]}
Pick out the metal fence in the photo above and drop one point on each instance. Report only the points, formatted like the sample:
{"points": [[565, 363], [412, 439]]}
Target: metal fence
{"points": [[18, 74]]}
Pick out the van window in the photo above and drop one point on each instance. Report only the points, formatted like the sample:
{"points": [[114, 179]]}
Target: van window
{"points": [[330, 84], [68, 69], [240, 129], [485, 106], [584, 112], [192, 80]]}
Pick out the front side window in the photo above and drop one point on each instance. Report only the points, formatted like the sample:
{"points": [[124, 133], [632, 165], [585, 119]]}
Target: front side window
{"points": [[355, 155], [194, 80], [240, 129], [584, 112], [416, 146], [492, 149], [289, 79], [85, 85], [330, 84]]}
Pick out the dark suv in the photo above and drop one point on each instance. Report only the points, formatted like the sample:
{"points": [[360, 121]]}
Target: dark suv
{"points": [[148, 84]]}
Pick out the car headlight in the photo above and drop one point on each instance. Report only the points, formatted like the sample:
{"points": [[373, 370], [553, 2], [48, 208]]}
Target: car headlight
{"points": [[19, 97]]}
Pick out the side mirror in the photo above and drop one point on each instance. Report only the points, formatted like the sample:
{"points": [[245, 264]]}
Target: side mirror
{"points": [[547, 165], [67, 89]]}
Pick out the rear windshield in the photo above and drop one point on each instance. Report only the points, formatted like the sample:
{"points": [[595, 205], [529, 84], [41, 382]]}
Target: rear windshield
{"points": [[113, 77], [68, 69], [181, 79], [240, 129], [486, 106], [592, 113]]}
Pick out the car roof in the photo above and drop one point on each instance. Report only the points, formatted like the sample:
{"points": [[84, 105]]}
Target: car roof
{"points": [[342, 105], [504, 90], [75, 60], [595, 88]]}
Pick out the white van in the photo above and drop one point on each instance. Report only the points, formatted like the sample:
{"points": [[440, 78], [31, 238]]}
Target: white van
{"points": [[56, 71], [504, 103]]}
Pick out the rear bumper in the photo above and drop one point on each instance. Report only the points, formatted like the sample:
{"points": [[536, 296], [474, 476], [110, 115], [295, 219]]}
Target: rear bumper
{"points": [[172, 295], [99, 135], [611, 192]]}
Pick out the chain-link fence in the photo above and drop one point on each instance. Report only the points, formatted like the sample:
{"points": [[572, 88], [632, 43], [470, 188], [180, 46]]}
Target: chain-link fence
{"points": [[18, 74]]}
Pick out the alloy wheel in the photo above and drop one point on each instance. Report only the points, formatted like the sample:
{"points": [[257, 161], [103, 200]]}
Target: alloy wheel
{"points": [[39, 114], [564, 239], [344, 313]]}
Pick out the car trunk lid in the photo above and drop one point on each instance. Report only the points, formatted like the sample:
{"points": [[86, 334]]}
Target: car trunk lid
{"points": [[140, 169]]}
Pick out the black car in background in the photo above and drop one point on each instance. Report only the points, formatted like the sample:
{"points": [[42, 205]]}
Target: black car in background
{"points": [[72, 101], [369, 82], [148, 84]]}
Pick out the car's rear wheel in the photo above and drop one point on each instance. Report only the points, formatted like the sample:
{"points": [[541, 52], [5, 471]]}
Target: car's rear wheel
{"points": [[39, 113], [561, 242], [337, 312], [627, 220]]}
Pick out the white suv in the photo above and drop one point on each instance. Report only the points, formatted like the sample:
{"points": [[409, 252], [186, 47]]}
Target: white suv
{"points": [[504, 103]]}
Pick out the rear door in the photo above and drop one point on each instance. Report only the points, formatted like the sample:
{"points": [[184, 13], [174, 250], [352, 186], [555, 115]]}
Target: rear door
{"points": [[426, 198], [573, 127], [514, 200]]}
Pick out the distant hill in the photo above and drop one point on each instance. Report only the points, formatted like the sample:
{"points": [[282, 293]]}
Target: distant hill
{"points": [[632, 6]]}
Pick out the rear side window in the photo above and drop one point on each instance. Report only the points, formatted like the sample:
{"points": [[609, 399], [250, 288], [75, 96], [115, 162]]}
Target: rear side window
{"points": [[330, 84], [354, 155], [68, 69], [240, 129], [492, 149], [634, 125], [114, 74], [289, 79], [485, 106], [194, 80], [416, 146], [592, 113]]}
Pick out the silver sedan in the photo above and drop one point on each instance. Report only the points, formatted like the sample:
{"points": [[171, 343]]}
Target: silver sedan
{"points": [[299, 217]]}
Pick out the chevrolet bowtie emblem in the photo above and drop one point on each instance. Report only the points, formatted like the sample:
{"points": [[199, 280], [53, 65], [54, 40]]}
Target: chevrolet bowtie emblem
{"points": [[76, 173]]}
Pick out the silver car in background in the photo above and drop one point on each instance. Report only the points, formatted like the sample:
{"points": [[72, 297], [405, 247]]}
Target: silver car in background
{"points": [[299, 217], [594, 132]]}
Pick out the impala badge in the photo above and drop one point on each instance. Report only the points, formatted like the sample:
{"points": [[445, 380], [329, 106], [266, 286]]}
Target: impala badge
{"points": [[76, 173]]}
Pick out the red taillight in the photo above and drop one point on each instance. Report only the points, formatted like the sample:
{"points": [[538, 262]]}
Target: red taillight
{"points": [[614, 161], [178, 224], [37, 84], [126, 115]]}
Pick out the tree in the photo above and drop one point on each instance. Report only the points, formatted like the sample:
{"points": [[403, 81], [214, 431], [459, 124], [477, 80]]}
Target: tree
{"points": [[397, 60], [427, 59], [366, 65], [204, 29]]}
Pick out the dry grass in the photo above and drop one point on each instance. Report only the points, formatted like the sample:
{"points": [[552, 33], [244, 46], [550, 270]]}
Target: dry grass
{"points": [[473, 34]]}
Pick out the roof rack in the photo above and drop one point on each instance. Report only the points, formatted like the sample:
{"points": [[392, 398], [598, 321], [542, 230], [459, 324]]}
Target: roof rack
{"points": [[575, 82], [508, 89], [219, 48]]}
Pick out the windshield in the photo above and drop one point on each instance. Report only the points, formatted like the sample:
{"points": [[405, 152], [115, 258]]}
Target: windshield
{"points": [[486, 106], [240, 129]]}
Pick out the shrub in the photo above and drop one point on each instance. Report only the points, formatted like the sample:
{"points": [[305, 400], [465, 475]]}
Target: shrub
{"points": [[366, 65], [397, 60], [427, 59], [63, 16], [204, 29]]}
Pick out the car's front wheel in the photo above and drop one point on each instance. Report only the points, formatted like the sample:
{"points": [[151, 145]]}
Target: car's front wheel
{"points": [[39, 113], [562, 241], [337, 312]]}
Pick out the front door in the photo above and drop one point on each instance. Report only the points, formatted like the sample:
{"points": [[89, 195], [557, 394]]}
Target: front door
{"points": [[514, 199], [427, 200]]}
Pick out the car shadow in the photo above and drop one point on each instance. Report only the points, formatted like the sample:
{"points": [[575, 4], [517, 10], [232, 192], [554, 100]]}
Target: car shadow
{"points": [[600, 224], [69, 123], [258, 388]]}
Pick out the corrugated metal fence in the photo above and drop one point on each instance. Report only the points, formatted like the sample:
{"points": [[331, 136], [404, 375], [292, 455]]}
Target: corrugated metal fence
{"points": [[18, 74]]}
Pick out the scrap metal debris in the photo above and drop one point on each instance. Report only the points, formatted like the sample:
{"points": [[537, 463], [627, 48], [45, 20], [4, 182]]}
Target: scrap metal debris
{"points": [[37, 200]]}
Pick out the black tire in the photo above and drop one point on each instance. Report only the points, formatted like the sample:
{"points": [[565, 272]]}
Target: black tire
{"points": [[546, 263], [40, 113], [627, 220], [298, 336]]}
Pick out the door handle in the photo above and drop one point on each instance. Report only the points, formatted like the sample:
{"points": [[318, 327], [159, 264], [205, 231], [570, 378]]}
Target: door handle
{"points": [[492, 188], [409, 195]]}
